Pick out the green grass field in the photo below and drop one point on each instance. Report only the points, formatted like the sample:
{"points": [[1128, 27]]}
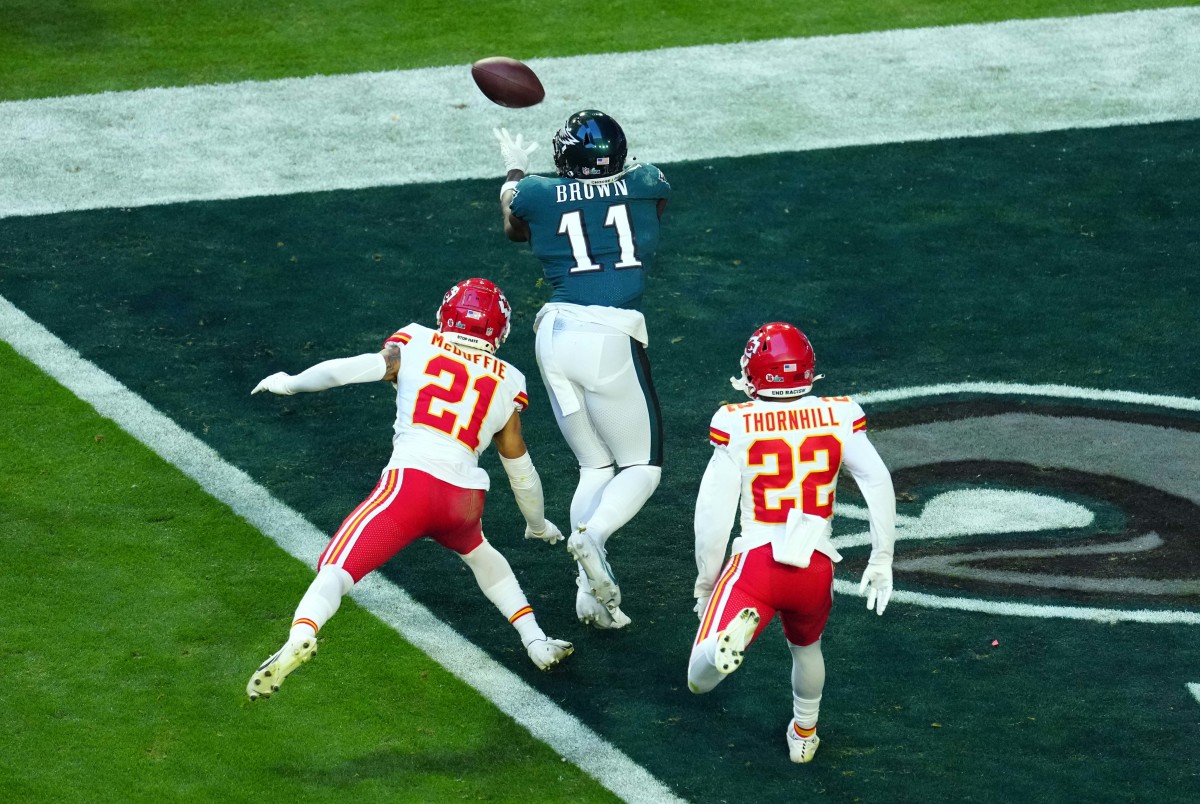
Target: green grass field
{"points": [[56, 47], [138, 604], [129, 618]]}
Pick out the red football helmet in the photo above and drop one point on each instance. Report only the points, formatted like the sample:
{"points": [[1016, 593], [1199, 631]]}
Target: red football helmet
{"points": [[778, 362], [475, 313]]}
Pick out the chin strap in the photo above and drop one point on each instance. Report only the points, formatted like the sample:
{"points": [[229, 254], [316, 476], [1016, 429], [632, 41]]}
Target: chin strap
{"points": [[469, 341], [742, 384]]}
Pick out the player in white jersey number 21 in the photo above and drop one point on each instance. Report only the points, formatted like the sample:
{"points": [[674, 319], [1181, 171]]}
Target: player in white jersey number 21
{"points": [[453, 397], [780, 455]]}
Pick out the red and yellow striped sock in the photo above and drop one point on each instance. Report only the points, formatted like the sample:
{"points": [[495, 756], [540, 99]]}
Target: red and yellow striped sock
{"points": [[519, 613], [804, 732], [301, 628]]}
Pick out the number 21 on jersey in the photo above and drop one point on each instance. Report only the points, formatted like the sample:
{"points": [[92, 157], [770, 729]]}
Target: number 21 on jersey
{"points": [[572, 226], [820, 454], [451, 395]]}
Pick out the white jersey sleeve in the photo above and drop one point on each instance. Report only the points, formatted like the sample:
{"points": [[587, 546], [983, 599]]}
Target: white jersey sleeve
{"points": [[716, 508], [875, 482], [450, 402]]}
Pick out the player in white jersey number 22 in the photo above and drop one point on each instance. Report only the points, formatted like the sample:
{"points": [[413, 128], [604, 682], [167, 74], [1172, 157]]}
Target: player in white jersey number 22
{"points": [[779, 455], [453, 397]]}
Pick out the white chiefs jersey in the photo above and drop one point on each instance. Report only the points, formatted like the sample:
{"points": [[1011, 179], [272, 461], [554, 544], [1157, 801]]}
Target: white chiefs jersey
{"points": [[788, 454], [450, 401]]}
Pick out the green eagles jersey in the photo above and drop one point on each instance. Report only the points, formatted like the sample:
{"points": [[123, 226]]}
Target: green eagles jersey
{"points": [[596, 239]]}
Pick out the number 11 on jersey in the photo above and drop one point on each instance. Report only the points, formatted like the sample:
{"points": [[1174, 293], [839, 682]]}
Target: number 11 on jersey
{"points": [[571, 225]]}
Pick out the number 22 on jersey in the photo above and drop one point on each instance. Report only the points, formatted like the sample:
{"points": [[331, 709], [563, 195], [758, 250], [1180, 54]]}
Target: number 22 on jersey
{"points": [[572, 226], [449, 419], [820, 454]]}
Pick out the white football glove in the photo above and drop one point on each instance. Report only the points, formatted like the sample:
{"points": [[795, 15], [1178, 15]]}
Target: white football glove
{"points": [[515, 151], [551, 535], [702, 606], [277, 383], [877, 583]]}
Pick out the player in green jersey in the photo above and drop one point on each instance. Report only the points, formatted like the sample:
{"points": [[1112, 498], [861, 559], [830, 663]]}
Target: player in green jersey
{"points": [[594, 227]]}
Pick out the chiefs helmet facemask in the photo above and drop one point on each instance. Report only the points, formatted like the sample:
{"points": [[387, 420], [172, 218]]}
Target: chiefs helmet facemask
{"points": [[474, 313], [778, 362], [590, 145]]}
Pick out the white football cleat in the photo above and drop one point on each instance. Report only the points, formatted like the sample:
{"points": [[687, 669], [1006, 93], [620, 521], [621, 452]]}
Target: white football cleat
{"points": [[801, 749], [584, 548], [547, 652], [591, 612], [732, 641], [271, 673]]}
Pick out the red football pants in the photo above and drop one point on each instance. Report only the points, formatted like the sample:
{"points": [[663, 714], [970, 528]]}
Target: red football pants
{"points": [[803, 597], [406, 505]]}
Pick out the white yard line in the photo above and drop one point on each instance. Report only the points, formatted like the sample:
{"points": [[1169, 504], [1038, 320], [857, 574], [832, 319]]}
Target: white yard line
{"points": [[156, 146], [561, 731], [1008, 609], [1025, 389]]}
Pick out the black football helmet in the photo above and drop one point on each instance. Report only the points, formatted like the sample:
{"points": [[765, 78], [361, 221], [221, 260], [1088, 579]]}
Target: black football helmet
{"points": [[590, 145]]}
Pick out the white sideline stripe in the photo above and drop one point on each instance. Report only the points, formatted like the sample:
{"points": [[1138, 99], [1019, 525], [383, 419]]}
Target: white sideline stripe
{"points": [[156, 146], [561, 731]]}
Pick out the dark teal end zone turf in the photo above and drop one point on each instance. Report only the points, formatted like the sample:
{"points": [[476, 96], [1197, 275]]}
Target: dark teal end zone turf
{"points": [[1065, 258]]}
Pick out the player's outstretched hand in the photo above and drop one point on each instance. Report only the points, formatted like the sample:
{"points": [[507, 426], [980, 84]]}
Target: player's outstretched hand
{"points": [[701, 606], [877, 583], [551, 534], [515, 151], [277, 383]]}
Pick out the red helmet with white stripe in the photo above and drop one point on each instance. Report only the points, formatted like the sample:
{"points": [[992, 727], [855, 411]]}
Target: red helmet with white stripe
{"points": [[474, 313], [778, 362]]}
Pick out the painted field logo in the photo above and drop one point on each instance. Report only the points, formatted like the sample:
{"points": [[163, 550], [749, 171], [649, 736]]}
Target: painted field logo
{"points": [[1044, 501]]}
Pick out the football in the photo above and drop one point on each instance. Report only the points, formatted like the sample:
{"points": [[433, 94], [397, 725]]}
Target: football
{"points": [[507, 82]]}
